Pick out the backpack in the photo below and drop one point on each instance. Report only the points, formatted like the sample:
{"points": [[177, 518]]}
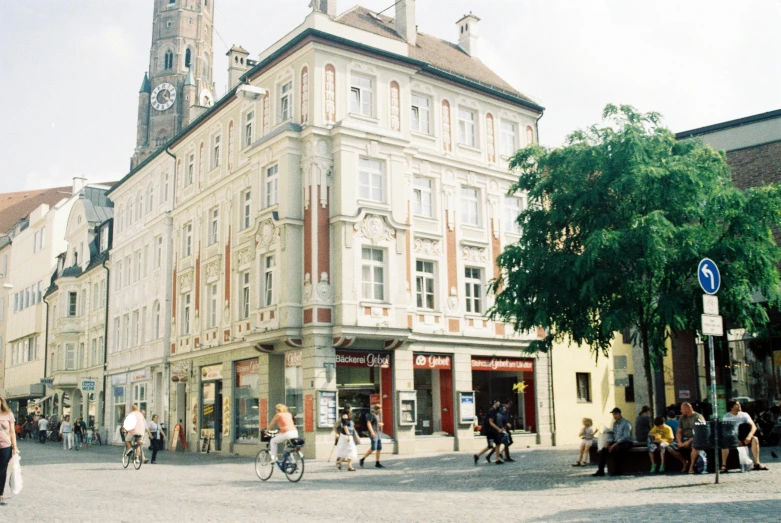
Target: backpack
{"points": [[701, 464]]}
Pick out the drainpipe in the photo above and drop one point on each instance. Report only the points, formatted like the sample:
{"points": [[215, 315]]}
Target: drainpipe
{"points": [[105, 345], [45, 349]]}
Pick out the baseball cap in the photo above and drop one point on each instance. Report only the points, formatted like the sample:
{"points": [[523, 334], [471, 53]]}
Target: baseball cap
{"points": [[495, 401], [616, 411]]}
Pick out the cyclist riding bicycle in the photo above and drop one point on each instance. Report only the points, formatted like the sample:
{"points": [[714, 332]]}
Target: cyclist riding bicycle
{"points": [[135, 424], [287, 429]]}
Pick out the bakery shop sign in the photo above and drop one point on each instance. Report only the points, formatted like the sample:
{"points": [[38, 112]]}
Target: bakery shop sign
{"points": [[431, 361], [363, 359], [502, 364], [293, 359]]}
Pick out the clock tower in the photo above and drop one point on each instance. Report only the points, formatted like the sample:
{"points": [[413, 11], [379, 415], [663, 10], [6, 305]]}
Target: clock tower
{"points": [[179, 83]]}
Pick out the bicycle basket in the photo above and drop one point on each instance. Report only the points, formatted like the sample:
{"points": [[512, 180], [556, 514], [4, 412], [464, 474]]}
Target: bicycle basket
{"points": [[265, 437]]}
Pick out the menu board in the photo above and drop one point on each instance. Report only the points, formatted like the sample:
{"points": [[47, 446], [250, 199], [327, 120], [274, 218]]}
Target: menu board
{"points": [[408, 407], [326, 408], [466, 402]]}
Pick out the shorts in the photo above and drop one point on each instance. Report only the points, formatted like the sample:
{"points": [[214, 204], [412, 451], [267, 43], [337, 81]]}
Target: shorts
{"points": [[661, 446], [136, 438], [376, 444], [490, 439], [744, 429], [674, 445]]}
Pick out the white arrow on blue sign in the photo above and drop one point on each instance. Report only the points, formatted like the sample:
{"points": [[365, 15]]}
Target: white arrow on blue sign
{"points": [[708, 275]]}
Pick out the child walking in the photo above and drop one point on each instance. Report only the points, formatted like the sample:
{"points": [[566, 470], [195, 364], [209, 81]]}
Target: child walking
{"points": [[659, 438], [587, 434]]}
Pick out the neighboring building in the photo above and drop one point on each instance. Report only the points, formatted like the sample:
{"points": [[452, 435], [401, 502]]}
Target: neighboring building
{"points": [[749, 366], [323, 236], [5, 278], [77, 301]]}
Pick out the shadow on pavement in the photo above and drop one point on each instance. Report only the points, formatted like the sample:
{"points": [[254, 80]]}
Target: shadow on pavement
{"points": [[722, 511]]}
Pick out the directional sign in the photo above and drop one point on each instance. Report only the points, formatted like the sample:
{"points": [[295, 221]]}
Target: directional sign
{"points": [[712, 325], [709, 277]]}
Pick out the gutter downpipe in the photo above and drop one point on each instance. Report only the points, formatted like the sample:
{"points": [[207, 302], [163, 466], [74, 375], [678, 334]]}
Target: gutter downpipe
{"points": [[105, 348], [168, 298], [45, 350]]}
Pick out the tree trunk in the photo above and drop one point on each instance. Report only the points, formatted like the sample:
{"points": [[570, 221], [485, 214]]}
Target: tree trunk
{"points": [[647, 369]]}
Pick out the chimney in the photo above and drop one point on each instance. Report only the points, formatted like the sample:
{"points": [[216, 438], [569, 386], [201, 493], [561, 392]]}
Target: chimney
{"points": [[78, 184], [405, 21], [468, 34], [237, 65], [324, 6]]}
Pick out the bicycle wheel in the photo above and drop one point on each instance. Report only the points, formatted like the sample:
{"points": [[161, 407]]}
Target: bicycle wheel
{"points": [[294, 466], [138, 459], [125, 457], [264, 467]]}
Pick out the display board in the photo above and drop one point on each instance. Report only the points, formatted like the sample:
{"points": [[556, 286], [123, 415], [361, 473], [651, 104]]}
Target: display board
{"points": [[408, 407], [466, 407], [327, 408]]}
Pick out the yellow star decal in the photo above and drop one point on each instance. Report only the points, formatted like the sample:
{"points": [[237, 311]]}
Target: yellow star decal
{"points": [[520, 387]]}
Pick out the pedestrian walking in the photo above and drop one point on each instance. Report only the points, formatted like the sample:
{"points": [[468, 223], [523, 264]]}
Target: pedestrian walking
{"points": [[157, 437], [492, 433], [502, 420], [66, 433], [43, 427], [373, 425], [78, 427], [7, 442], [346, 451]]}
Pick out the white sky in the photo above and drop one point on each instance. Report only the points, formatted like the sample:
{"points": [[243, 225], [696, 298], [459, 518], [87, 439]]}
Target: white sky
{"points": [[71, 69]]}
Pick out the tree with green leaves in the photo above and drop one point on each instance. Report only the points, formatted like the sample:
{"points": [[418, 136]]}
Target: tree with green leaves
{"points": [[616, 223]]}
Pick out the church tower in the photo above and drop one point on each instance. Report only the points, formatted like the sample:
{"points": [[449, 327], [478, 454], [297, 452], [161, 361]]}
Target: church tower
{"points": [[179, 82]]}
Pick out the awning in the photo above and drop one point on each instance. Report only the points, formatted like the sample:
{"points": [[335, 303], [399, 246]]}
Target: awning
{"points": [[39, 401]]}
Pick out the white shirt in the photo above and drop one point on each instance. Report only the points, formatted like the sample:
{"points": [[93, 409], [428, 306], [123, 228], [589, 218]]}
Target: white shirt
{"points": [[43, 424], [740, 417]]}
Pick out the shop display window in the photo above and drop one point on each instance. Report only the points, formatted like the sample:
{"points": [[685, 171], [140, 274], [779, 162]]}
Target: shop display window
{"points": [[246, 402], [506, 379], [364, 379], [294, 388]]}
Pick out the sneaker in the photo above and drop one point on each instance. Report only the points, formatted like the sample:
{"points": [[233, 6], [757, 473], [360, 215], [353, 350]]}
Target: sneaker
{"points": [[509, 459], [499, 462], [653, 468], [476, 458], [661, 468], [379, 465], [361, 461], [488, 458], [598, 473]]}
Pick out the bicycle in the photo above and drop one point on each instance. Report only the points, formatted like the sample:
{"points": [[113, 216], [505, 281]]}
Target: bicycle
{"points": [[135, 449], [292, 462]]}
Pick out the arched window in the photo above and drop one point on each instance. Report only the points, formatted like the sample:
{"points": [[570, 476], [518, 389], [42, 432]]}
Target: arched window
{"points": [[169, 60], [187, 55]]}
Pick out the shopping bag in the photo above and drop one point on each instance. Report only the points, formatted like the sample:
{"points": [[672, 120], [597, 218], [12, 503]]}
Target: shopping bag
{"points": [[15, 481], [744, 457]]}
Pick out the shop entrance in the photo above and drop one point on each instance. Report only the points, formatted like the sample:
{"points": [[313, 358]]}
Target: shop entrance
{"points": [[434, 387], [211, 413], [510, 380], [363, 379]]}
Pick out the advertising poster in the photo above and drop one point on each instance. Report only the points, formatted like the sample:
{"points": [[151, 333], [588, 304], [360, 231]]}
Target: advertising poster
{"points": [[467, 403]]}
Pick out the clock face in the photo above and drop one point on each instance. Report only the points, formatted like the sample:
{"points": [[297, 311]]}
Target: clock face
{"points": [[163, 96]]}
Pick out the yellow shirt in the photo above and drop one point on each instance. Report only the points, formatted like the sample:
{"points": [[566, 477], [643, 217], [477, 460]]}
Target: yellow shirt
{"points": [[663, 433]]}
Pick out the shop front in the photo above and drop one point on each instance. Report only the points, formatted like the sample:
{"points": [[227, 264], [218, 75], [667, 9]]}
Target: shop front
{"points": [[364, 379], [245, 408], [433, 374], [211, 407], [119, 407], [294, 387], [506, 379]]}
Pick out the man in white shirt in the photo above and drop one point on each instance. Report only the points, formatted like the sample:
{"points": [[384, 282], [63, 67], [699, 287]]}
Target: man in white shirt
{"points": [[43, 426], [746, 431]]}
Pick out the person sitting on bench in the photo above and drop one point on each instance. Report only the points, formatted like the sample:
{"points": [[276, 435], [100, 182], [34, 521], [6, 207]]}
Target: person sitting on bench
{"points": [[620, 442], [746, 437]]}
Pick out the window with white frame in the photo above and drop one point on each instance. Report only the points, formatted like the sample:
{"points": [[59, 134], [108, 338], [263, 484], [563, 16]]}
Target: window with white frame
{"points": [[146, 260], [361, 95], [126, 329], [156, 320], [72, 298], [214, 225], [93, 351], [190, 176], [185, 328], [212, 305], [142, 328], [473, 281], [134, 329], [421, 114], [70, 356], [138, 266], [272, 185], [139, 206], [373, 273], [268, 280], [216, 149], [95, 296], [470, 206], [466, 127], [117, 334], [158, 252], [512, 208], [150, 198], [244, 282], [249, 128], [139, 395], [83, 302], [187, 240], [103, 238], [424, 284], [371, 180], [128, 270], [423, 204], [164, 197], [246, 208], [286, 101], [509, 138]]}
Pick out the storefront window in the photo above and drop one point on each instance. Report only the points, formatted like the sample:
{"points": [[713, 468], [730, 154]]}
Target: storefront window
{"points": [[364, 379], [211, 404], [139, 396], [294, 387], [246, 402], [506, 379], [434, 386], [119, 404]]}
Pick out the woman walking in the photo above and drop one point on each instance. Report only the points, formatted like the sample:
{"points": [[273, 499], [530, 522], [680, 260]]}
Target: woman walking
{"points": [[66, 432], [346, 451], [78, 425], [157, 437], [7, 442]]}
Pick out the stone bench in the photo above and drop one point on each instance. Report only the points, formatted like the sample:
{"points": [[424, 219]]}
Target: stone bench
{"points": [[637, 461]]}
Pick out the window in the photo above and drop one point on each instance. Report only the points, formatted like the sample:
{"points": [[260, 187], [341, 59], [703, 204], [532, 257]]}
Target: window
{"points": [[268, 281], [371, 180], [95, 296], [508, 138], [373, 274], [286, 101], [80, 363], [41, 238], [188, 54], [583, 382], [512, 208], [83, 304], [185, 328], [128, 270], [244, 281], [165, 183], [361, 95], [474, 290], [139, 206], [93, 352], [117, 333], [118, 276], [134, 329], [156, 320], [103, 238], [138, 266], [102, 293], [466, 128], [470, 206], [423, 201], [214, 225], [421, 114], [629, 391], [249, 127], [139, 395], [72, 304], [626, 337], [212, 319], [150, 198], [169, 56], [142, 327], [246, 208], [35, 242], [126, 326], [70, 356], [4, 270], [146, 260], [187, 240], [272, 186], [159, 252], [216, 151], [424, 284], [40, 291]]}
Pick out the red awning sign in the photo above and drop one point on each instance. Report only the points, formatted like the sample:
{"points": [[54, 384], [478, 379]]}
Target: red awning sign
{"points": [[502, 364], [431, 361]]}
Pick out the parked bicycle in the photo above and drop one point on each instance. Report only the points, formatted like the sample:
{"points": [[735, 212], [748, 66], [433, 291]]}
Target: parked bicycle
{"points": [[292, 462], [134, 453]]}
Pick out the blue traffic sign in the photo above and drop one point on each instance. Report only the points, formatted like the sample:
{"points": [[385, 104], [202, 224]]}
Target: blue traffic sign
{"points": [[708, 275]]}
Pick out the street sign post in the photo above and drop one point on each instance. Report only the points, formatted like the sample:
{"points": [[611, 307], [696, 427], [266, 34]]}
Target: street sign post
{"points": [[712, 325]]}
